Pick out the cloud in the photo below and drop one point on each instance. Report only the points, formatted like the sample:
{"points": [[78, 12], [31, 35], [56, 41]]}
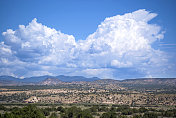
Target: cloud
{"points": [[36, 41], [121, 43]]}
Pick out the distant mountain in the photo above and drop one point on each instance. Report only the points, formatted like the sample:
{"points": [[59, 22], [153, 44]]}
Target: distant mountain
{"points": [[7, 80], [9, 83], [36, 79], [61, 79], [76, 78]]}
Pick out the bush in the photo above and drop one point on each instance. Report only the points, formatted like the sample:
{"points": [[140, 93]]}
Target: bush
{"points": [[2, 108], [135, 110], [168, 114], [122, 116], [150, 115], [84, 114], [127, 112], [122, 108], [142, 110], [30, 111], [103, 108], [137, 116], [112, 109], [53, 115], [94, 109], [60, 108], [76, 113], [45, 112], [108, 115]]}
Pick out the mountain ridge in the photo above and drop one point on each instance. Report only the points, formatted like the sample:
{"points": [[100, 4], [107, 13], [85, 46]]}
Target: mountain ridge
{"points": [[62, 79], [38, 79]]}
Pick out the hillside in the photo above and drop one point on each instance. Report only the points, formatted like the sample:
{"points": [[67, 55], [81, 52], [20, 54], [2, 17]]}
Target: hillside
{"points": [[149, 83], [51, 81]]}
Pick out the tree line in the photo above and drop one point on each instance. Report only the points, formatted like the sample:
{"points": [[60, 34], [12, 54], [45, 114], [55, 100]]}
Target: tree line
{"points": [[32, 111]]}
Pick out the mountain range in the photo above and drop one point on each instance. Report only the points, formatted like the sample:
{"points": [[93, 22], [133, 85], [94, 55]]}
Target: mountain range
{"points": [[9, 80], [61, 79]]}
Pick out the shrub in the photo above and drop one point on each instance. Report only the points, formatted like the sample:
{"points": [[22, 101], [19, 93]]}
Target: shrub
{"points": [[53, 115], [108, 115]]}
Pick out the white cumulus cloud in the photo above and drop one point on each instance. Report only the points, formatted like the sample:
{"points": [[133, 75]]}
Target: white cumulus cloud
{"points": [[121, 43]]}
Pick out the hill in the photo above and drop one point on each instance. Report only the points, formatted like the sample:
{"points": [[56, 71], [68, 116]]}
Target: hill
{"points": [[51, 81]]}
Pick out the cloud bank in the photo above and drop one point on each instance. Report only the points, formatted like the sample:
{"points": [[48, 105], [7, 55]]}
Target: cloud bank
{"points": [[121, 47]]}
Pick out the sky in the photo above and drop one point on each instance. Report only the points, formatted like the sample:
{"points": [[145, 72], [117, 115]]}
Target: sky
{"points": [[118, 39]]}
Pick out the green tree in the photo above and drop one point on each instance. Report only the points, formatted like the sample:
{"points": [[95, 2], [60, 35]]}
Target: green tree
{"points": [[9, 115], [59, 108], [74, 112], [53, 115], [168, 114], [32, 111], [94, 108], [122, 108], [174, 112], [45, 112], [150, 115], [84, 114], [2, 108], [112, 109], [122, 116], [135, 110], [127, 112], [137, 116], [108, 115], [29, 111], [143, 109], [103, 108]]}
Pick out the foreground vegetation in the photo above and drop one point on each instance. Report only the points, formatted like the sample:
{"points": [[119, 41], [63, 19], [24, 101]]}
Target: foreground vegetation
{"points": [[83, 111]]}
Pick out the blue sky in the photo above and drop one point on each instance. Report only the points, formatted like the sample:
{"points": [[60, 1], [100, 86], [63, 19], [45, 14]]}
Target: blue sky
{"points": [[81, 47]]}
